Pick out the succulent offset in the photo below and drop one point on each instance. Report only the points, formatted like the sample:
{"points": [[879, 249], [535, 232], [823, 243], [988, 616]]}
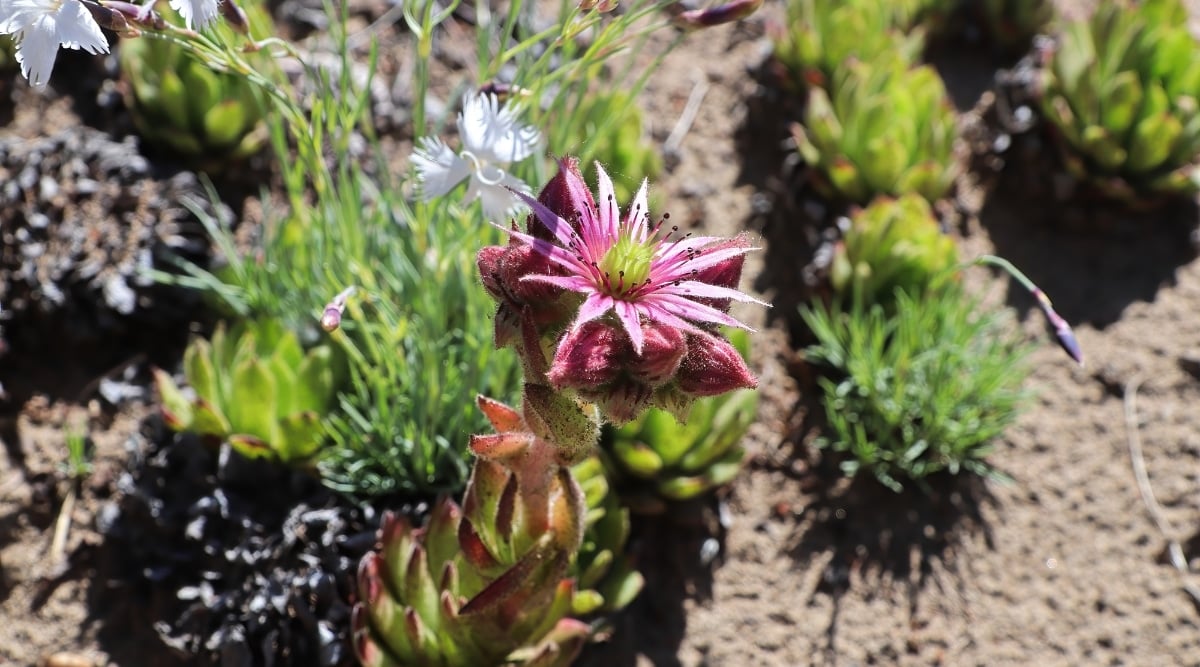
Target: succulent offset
{"points": [[605, 577], [657, 459], [256, 388], [892, 244], [881, 129], [485, 583], [181, 105], [820, 37], [1121, 93]]}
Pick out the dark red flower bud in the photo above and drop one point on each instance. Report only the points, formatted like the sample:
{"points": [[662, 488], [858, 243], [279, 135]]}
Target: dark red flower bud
{"points": [[567, 195], [589, 356], [713, 366]]}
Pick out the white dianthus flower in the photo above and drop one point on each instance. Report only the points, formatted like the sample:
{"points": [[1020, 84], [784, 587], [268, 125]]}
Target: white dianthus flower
{"points": [[492, 139], [40, 27]]}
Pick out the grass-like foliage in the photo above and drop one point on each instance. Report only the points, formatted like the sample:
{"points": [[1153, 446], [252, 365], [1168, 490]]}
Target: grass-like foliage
{"points": [[417, 331], [610, 122], [919, 391]]}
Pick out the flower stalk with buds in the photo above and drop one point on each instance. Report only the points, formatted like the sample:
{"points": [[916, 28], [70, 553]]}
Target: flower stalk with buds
{"points": [[630, 310]]}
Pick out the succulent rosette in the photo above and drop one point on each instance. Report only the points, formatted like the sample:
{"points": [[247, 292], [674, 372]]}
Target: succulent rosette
{"points": [[819, 37], [486, 583], [1121, 92], [256, 388], [880, 128], [893, 244], [629, 310], [181, 105]]}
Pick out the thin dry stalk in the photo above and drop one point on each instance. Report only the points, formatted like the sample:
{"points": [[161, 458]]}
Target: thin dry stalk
{"points": [[1174, 550]]}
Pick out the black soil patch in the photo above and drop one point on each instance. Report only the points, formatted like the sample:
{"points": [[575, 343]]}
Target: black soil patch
{"points": [[212, 558]]}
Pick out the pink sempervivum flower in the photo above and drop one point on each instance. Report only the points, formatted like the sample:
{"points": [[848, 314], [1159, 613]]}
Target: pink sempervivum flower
{"points": [[628, 268], [640, 310], [503, 267]]}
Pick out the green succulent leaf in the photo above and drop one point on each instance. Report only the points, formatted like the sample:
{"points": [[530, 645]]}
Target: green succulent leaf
{"points": [[299, 437], [639, 458], [1153, 140], [225, 123], [252, 407], [200, 372], [177, 410], [207, 419]]}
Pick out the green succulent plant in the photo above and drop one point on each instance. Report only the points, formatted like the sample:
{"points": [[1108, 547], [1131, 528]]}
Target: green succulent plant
{"points": [[610, 123], [1121, 92], [606, 579], [882, 129], [656, 460], [484, 584], [256, 388], [917, 390], [180, 105], [1011, 24], [820, 37], [892, 244]]}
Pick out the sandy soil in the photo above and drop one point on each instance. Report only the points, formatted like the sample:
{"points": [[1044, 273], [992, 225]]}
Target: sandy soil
{"points": [[1063, 565]]}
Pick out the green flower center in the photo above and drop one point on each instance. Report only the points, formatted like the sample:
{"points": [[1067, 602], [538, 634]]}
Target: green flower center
{"points": [[626, 265]]}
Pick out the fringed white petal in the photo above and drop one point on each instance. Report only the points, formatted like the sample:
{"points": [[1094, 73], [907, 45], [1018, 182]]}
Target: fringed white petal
{"points": [[77, 29], [40, 27], [37, 48], [197, 14], [438, 168], [492, 186]]}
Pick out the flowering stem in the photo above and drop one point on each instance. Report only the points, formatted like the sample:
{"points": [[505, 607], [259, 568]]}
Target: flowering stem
{"points": [[1062, 330]]}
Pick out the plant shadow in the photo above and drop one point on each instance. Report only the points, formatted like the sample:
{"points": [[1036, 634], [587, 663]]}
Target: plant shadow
{"points": [[1091, 256], [797, 226], [868, 534], [677, 555]]}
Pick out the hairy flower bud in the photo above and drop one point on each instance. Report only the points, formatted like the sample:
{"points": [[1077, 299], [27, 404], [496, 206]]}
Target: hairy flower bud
{"points": [[713, 366], [567, 195]]}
